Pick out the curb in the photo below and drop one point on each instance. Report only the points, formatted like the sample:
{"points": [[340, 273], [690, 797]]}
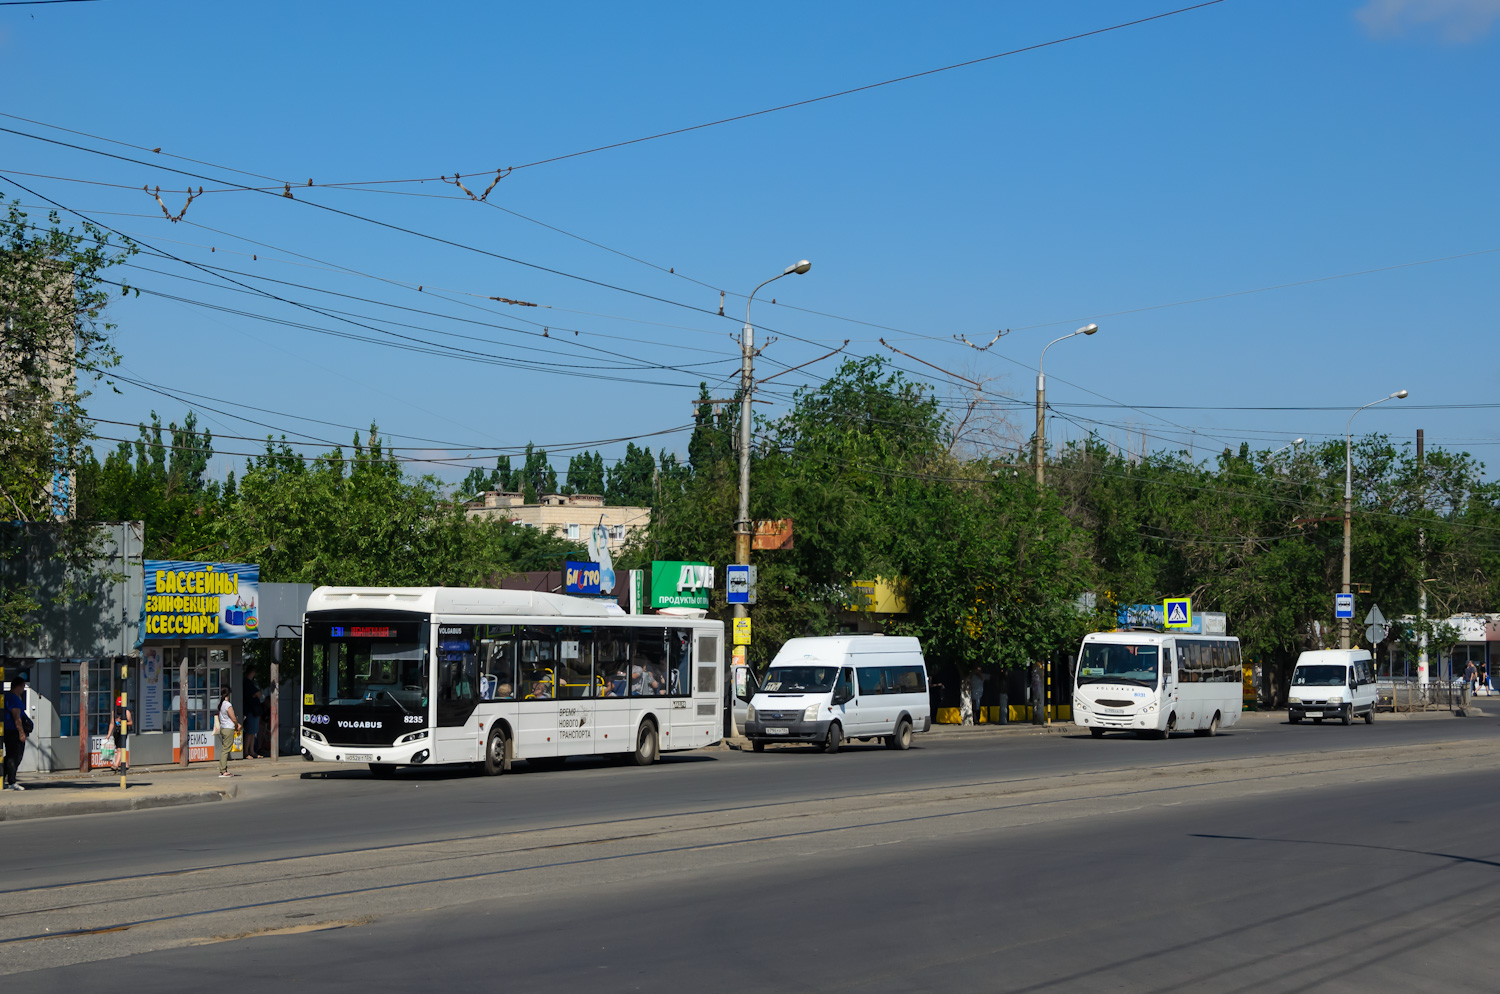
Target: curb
{"points": [[104, 805]]}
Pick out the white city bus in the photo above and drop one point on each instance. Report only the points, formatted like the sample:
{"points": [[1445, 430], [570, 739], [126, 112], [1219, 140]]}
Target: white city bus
{"points": [[1155, 683], [395, 676]]}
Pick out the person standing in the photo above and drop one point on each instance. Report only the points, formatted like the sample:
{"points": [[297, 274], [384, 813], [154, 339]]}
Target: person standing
{"points": [[251, 695], [1471, 677], [120, 722], [229, 723], [15, 731]]}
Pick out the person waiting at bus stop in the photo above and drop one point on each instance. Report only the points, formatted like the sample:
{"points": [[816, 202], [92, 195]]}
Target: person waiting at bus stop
{"points": [[15, 731], [120, 723], [229, 723]]}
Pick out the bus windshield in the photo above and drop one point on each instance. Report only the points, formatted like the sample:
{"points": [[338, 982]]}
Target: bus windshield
{"points": [[1318, 676], [367, 665], [1106, 662], [799, 679]]}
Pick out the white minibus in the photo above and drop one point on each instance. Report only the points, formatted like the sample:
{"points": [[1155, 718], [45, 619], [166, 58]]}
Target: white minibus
{"points": [[828, 689], [1155, 683], [1333, 683], [406, 676]]}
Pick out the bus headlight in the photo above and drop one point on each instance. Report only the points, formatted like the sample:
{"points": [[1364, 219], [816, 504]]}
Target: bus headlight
{"points": [[751, 713], [810, 713]]}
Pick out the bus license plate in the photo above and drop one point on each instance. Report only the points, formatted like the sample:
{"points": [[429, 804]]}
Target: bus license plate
{"points": [[1315, 714], [358, 757], [777, 731]]}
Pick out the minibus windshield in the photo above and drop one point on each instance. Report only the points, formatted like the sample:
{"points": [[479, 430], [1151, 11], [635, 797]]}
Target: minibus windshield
{"points": [[799, 679], [1322, 675], [1112, 662]]}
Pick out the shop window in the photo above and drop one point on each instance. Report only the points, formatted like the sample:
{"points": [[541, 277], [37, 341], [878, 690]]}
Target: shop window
{"points": [[101, 690], [208, 674]]}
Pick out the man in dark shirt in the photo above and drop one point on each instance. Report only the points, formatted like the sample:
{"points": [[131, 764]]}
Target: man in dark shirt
{"points": [[252, 700], [15, 731]]}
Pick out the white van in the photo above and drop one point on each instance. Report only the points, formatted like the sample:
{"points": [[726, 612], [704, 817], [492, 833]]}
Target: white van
{"points": [[1333, 683], [828, 689]]}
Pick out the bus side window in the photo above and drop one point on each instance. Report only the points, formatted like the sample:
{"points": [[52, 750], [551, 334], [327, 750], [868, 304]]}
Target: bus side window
{"points": [[1166, 666]]}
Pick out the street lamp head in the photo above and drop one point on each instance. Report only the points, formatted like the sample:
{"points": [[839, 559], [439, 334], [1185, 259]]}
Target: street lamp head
{"points": [[1399, 395], [1299, 441], [1087, 329], [799, 268]]}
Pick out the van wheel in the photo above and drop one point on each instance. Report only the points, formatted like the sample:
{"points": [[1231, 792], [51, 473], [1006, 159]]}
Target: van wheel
{"points": [[645, 745], [1317, 721], [901, 740], [1096, 732], [1211, 730], [1348, 716], [1293, 719], [758, 746], [494, 752], [835, 738], [1370, 715], [383, 771]]}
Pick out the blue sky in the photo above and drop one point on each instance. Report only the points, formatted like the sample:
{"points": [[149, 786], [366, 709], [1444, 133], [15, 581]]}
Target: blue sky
{"points": [[1241, 146]]}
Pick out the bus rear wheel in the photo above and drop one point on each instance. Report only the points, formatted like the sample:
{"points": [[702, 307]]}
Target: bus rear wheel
{"points": [[901, 740], [494, 752], [1211, 730], [645, 745]]}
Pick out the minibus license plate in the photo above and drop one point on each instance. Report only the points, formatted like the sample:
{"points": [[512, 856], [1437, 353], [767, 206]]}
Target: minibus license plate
{"points": [[777, 731], [1315, 714], [358, 757]]}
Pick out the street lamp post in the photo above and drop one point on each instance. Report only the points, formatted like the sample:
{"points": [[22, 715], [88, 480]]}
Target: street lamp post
{"points": [[1349, 501], [747, 373], [1039, 446], [1294, 443]]}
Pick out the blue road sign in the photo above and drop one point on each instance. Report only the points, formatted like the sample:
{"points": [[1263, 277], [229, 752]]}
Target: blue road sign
{"points": [[1343, 605], [737, 584]]}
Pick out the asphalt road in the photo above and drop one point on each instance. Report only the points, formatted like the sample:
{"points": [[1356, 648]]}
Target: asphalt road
{"points": [[1273, 858]]}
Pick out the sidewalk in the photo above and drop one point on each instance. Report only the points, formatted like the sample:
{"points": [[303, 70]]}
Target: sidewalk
{"points": [[68, 792]]}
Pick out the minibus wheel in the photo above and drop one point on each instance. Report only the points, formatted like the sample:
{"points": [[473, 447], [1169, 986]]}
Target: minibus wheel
{"points": [[494, 753], [383, 771], [901, 740], [758, 745], [1211, 730], [835, 738], [1370, 715], [1096, 732], [1347, 716]]}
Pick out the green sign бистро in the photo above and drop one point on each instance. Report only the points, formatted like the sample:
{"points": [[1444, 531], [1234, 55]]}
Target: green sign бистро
{"points": [[680, 584]]}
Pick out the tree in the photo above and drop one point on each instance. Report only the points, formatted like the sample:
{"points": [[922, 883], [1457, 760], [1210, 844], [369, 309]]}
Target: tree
{"points": [[536, 476], [585, 474], [52, 300], [632, 480], [477, 482], [162, 484], [361, 520]]}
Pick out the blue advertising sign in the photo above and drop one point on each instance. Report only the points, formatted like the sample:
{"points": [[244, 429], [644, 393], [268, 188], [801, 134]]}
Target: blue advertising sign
{"points": [[580, 578], [190, 599], [1155, 616]]}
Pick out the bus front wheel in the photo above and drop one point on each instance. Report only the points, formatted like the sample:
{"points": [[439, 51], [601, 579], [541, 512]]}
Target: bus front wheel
{"points": [[494, 752], [645, 745], [383, 771], [1096, 732]]}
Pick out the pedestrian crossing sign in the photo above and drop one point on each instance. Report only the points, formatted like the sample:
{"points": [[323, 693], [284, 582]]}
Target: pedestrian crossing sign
{"points": [[1178, 612]]}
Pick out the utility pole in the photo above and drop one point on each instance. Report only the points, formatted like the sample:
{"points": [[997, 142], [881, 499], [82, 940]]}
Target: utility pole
{"points": [[747, 386], [1349, 501], [1039, 450], [1422, 565]]}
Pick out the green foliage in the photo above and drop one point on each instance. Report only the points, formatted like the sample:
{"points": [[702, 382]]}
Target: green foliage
{"points": [[536, 476], [52, 339], [632, 480], [585, 474], [158, 482], [361, 520]]}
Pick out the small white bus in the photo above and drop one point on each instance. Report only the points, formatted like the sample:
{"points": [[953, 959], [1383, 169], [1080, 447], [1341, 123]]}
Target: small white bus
{"points": [[407, 676], [1155, 683]]}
